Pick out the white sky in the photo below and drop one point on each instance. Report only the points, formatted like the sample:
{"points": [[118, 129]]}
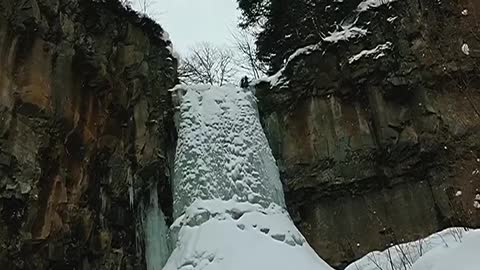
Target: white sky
{"points": [[193, 21]]}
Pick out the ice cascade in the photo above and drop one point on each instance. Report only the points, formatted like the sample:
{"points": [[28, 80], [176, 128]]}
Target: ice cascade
{"points": [[229, 205]]}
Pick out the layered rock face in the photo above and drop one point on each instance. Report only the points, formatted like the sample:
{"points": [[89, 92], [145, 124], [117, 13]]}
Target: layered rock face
{"points": [[84, 130], [376, 128]]}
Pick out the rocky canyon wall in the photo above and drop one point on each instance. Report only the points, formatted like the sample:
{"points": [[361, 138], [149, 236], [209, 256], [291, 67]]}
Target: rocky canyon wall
{"points": [[84, 131], [380, 147], [376, 145]]}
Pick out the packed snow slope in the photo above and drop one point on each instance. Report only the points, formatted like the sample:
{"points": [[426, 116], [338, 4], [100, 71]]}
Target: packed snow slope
{"points": [[451, 249], [228, 197]]}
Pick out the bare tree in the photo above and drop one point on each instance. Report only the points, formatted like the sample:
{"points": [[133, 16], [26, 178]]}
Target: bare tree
{"points": [[144, 5], [208, 64], [126, 3], [246, 54]]}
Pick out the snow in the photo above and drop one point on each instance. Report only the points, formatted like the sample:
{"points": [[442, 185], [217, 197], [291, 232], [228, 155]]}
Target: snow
{"points": [[461, 255], [466, 49], [377, 52], [392, 19], [275, 219], [231, 235], [173, 52], [345, 33], [476, 204], [454, 248], [166, 37], [368, 4], [228, 197], [277, 78], [303, 51], [222, 150]]}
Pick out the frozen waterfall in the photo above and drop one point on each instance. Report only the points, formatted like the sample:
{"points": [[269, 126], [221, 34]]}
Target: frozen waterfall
{"points": [[228, 200], [157, 246], [222, 152]]}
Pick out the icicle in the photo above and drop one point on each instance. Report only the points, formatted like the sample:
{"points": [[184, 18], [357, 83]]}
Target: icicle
{"points": [[130, 188], [155, 229]]}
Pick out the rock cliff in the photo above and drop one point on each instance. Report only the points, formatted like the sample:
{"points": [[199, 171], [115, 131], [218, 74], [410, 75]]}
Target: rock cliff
{"points": [[376, 126], [374, 121], [84, 128]]}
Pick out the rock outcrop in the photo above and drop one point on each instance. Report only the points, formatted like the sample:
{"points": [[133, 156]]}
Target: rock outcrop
{"points": [[85, 128], [375, 126], [377, 133]]}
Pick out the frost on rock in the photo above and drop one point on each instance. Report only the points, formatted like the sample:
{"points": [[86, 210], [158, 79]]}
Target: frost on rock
{"points": [[376, 52], [345, 33], [392, 19], [277, 78], [465, 49], [454, 248], [476, 202], [368, 4], [228, 198], [303, 51]]}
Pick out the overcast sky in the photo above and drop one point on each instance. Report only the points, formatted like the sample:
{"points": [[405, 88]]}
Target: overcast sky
{"points": [[193, 21]]}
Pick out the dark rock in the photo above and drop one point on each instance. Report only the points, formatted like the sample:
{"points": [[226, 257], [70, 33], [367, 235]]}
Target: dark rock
{"points": [[369, 149], [84, 109]]}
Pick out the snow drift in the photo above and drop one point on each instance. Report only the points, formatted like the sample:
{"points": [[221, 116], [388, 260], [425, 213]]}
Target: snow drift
{"points": [[451, 249]]}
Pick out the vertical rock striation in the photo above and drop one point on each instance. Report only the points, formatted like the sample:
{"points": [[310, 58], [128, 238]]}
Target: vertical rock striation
{"points": [[376, 125], [84, 132]]}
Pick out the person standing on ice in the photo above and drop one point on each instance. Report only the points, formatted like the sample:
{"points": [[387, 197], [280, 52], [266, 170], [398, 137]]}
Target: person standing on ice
{"points": [[245, 82]]}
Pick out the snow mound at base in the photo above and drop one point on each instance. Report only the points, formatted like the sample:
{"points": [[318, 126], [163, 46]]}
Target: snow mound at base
{"points": [[231, 235], [451, 249]]}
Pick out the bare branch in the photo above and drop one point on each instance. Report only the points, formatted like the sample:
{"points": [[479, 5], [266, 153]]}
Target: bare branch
{"points": [[207, 64], [246, 54]]}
